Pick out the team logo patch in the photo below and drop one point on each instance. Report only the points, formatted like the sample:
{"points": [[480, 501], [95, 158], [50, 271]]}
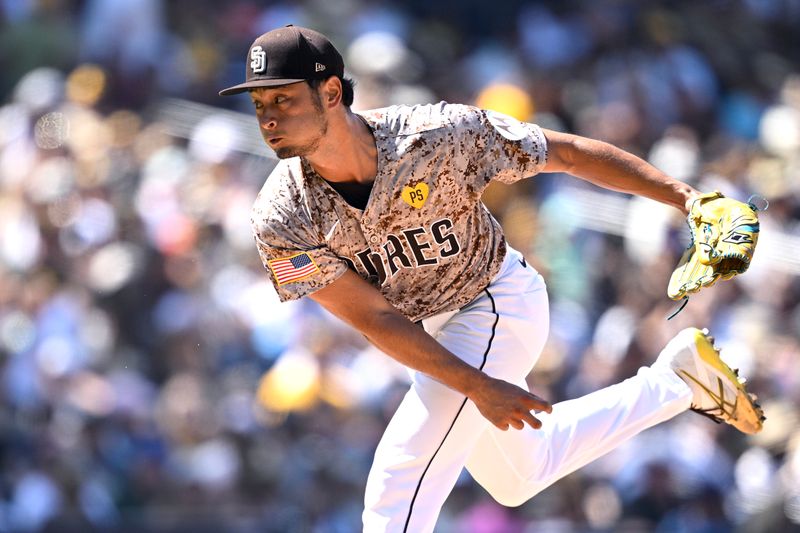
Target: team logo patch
{"points": [[415, 196], [508, 127], [258, 60], [293, 268]]}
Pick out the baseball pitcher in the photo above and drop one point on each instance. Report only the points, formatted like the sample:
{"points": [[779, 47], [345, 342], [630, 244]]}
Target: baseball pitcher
{"points": [[377, 216]]}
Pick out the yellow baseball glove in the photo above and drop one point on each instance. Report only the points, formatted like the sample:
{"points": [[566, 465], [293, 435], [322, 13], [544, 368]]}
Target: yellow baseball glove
{"points": [[724, 237]]}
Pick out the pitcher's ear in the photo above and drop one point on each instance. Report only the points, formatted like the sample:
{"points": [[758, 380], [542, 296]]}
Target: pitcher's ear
{"points": [[332, 91]]}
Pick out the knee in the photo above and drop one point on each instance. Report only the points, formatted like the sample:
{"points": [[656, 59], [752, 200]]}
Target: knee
{"points": [[513, 501], [514, 495], [510, 500]]}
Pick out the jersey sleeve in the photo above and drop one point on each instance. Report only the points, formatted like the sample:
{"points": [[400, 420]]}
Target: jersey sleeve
{"points": [[502, 148], [297, 261]]}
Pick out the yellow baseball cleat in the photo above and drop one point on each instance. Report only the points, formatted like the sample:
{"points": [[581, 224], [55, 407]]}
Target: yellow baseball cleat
{"points": [[719, 392]]}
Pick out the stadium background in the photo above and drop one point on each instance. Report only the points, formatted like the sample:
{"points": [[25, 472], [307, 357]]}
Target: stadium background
{"points": [[151, 382]]}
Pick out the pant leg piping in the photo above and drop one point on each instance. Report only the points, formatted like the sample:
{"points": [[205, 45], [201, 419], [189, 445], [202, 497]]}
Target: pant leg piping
{"points": [[453, 423]]}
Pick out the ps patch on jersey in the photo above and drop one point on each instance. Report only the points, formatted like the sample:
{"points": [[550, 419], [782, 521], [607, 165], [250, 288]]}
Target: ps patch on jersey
{"points": [[415, 196], [294, 268], [508, 127]]}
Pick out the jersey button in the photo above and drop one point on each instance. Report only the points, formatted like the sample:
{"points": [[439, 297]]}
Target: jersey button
{"points": [[374, 239]]}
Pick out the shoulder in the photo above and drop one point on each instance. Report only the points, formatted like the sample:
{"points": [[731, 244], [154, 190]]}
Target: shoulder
{"points": [[280, 197], [403, 120]]}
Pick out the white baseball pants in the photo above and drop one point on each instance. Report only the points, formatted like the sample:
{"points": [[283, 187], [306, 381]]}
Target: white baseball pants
{"points": [[437, 431]]}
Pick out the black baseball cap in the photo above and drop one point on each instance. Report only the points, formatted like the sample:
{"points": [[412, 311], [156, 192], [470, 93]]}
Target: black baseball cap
{"points": [[289, 55]]}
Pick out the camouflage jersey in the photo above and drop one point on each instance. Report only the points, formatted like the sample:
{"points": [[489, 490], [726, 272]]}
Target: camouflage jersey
{"points": [[425, 239]]}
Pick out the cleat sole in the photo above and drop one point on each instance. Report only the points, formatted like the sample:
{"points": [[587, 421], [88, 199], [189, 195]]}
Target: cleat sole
{"points": [[747, 415]]}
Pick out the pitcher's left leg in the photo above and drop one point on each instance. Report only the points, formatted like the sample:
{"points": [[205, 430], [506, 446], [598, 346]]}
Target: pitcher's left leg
{"points": [[419, 458], [426, 443], [435, 428]]}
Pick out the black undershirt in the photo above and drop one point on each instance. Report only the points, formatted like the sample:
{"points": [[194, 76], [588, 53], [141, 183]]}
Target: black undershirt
{"points": [[354, 193]]}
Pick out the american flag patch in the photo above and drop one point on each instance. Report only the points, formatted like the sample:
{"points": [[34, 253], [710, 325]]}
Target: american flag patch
{"points": [[294, 268]]}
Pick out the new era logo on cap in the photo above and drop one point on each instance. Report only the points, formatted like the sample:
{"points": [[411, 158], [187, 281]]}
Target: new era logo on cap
{"points": [[319, 67]]}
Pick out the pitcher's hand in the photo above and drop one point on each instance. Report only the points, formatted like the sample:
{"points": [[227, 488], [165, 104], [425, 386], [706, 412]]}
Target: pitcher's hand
{"points": [[506, 405]]}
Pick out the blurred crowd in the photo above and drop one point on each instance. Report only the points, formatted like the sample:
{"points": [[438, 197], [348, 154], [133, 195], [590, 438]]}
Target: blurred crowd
{"points": [[150, 381]]}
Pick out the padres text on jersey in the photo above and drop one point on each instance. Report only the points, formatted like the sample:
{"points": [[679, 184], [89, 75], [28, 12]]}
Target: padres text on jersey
{"points": [[424, 228]]}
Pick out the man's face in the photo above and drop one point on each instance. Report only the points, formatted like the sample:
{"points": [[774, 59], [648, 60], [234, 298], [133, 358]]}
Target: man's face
{"points": [[291, 118]]}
